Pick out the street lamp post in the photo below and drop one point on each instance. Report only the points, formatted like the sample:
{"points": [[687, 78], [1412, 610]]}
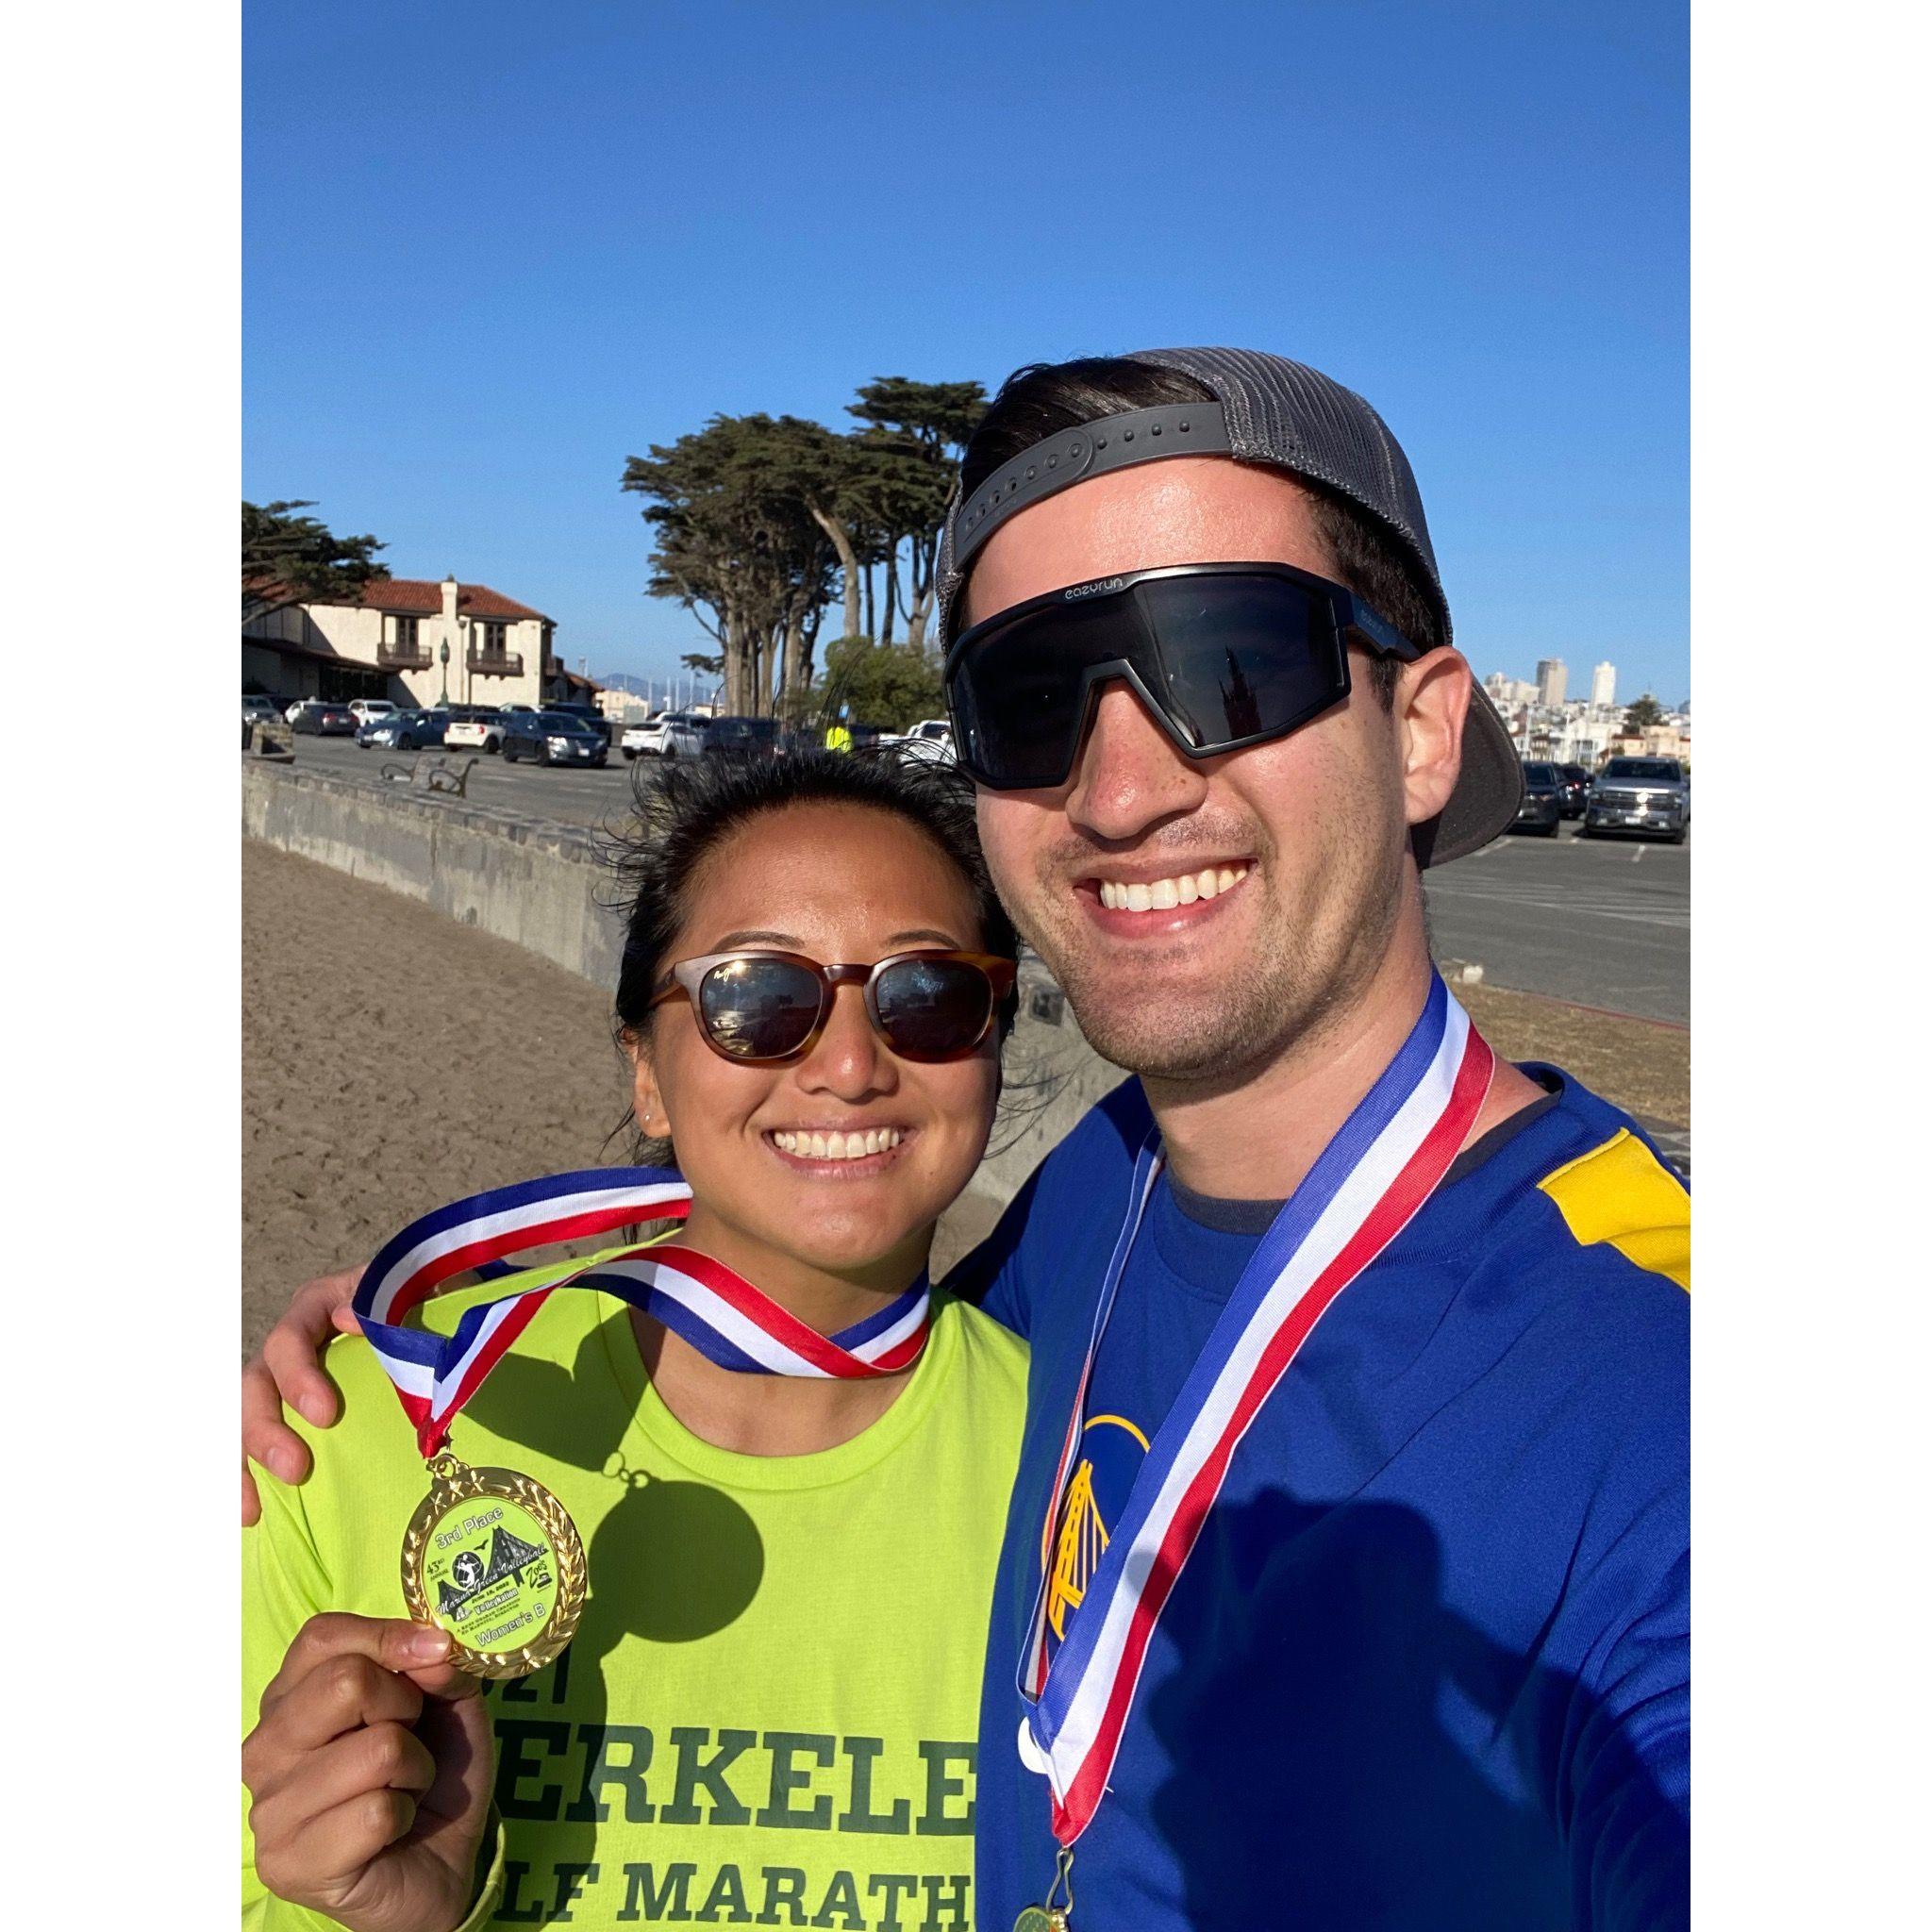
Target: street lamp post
{"points": [[443, 654]]}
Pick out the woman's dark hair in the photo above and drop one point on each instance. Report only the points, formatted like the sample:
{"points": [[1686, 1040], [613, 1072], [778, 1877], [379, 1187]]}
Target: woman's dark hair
{"points": [[1044, 398], [686, 810]]}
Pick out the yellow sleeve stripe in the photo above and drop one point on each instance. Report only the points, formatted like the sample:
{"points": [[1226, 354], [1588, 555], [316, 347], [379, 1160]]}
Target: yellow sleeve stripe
{"points": [[1622, 1193]]}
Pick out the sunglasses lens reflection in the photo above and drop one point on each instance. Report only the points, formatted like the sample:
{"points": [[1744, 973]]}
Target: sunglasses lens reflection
{"points": [[756, 1009], [933, 1008]]}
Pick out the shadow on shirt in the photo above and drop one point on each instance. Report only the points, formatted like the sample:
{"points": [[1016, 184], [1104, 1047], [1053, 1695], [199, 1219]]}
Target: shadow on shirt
{"points": [[671, 1562], [1381, 1762]]}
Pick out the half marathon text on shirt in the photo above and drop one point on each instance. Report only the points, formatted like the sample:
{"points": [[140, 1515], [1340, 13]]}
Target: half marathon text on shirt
{"points": [[694, 1776]]}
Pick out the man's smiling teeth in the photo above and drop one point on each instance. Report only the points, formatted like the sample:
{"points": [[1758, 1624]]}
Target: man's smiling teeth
{"points": [[1157, 895], [836, 1147]]}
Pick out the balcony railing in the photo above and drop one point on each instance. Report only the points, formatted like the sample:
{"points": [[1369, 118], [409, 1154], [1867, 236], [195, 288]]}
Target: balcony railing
{"points": [[403, 656], [496, 663]]}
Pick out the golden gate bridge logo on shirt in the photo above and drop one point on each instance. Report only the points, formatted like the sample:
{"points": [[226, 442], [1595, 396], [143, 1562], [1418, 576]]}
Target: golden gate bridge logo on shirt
{"points": [[1106, 1469]]}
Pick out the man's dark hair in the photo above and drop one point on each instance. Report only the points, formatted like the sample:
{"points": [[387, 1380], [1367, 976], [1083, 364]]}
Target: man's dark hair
{"points": [[1044, 398]]}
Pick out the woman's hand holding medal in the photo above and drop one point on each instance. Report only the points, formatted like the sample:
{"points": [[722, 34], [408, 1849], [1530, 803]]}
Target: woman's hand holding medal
{"points": [[369, 1773]]}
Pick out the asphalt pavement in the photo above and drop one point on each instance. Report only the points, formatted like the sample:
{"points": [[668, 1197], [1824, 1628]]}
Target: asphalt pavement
{"points": [[574, 795], [1600, 922]]}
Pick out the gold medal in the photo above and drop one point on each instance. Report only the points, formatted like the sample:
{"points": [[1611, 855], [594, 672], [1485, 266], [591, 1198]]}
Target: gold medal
{"points": [[493, 1557], [1040, 1919]]}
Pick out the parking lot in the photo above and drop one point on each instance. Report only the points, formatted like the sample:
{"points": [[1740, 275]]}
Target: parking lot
{"points": [[1605, 921], [1602, 921], [575, 797]]}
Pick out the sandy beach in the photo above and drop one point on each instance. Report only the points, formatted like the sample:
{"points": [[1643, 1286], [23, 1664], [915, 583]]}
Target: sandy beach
{"points": [[393, 1060]]}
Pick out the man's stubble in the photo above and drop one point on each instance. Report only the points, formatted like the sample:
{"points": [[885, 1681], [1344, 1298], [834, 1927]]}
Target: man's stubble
{"points": [[1309, 961]]}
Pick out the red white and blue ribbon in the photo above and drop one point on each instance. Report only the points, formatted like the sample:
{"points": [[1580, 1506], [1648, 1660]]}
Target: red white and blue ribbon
{"points": [[1370, 1180], [710, 1305]]}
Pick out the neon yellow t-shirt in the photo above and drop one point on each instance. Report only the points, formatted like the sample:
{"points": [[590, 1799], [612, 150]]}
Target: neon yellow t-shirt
{"points": [[770, 1708]]}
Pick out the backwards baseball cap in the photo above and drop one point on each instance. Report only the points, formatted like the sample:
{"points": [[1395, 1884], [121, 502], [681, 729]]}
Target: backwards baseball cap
{"points": [[1265, 409]]}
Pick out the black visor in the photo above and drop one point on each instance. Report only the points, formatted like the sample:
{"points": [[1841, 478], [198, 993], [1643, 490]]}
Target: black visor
{"points": [[1227, 655]]}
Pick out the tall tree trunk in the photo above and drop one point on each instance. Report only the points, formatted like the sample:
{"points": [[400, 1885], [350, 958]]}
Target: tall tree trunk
{"points": [[915, 618], [811, 633], [792, 678], [848, 562], [737, 642], [869, 617], [924, 558], [891, 593]]}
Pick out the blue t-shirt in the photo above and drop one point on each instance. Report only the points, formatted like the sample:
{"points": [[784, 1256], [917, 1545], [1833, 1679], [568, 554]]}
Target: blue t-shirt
{"points": [[1428, 1665]]}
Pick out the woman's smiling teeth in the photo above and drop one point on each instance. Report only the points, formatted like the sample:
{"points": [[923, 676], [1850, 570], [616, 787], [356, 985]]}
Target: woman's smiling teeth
{"points": [[838, 1146], [1157, 895]]}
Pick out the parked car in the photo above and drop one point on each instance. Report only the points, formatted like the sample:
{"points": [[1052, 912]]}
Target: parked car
{"points": [[738, 738], [258, 707], [402, 731], [1576, 790], [1541, 809], [363, 710], [926, 728], [320, 718], [642, 740], [929, 742], [569, 707], [476, 727], [669, 735], [1651, 796], [552, 739]]}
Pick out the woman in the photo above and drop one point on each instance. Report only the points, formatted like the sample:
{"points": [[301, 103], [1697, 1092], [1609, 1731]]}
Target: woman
{"points": [[767, 1712]]}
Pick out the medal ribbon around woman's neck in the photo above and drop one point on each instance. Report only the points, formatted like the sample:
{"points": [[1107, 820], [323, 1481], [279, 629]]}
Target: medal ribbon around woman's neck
{"points": [[1368, 1182], [708, 1304]]}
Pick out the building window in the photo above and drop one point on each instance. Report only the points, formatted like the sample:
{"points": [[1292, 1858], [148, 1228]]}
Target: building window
{"points": [[492, 640], [402, 633]]}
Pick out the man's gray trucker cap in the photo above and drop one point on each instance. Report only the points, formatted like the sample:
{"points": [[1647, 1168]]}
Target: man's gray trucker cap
{"points": [[1290, 417]]}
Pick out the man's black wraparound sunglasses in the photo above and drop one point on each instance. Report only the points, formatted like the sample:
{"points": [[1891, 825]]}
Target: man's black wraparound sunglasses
{"points": [[1224, 655]]}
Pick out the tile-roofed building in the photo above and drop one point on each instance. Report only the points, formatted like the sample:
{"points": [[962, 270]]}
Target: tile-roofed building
{"points": [[424, 596], [412, 639]]}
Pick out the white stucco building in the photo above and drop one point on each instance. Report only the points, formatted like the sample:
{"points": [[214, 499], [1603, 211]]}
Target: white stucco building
{"points": [[413, 641]]}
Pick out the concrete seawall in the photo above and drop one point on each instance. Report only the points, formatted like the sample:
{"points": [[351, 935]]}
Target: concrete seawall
{"points": [[543, 887], [525, 880]]}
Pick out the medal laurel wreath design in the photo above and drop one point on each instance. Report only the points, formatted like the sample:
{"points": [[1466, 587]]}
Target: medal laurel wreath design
{"points": [[454, 1482]]}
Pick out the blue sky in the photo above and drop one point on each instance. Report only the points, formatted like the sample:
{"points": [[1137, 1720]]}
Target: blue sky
{"points": [[491, 250]]}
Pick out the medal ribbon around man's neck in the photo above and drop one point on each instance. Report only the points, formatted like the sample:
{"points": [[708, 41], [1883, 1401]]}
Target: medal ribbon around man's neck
{"points": [[1368, 1182], [714, 1308]]}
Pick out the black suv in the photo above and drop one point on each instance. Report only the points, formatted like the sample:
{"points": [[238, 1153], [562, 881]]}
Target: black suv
{"points": [[1541, 809], [741, 738]]}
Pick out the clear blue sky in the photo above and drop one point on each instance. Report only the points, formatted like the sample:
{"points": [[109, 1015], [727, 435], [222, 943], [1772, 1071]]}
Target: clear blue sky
{"points": [[492, 250]]}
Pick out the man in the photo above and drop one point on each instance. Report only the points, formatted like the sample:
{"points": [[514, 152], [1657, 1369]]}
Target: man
{"points": [[1399, 1638], [1427, 1662]]}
